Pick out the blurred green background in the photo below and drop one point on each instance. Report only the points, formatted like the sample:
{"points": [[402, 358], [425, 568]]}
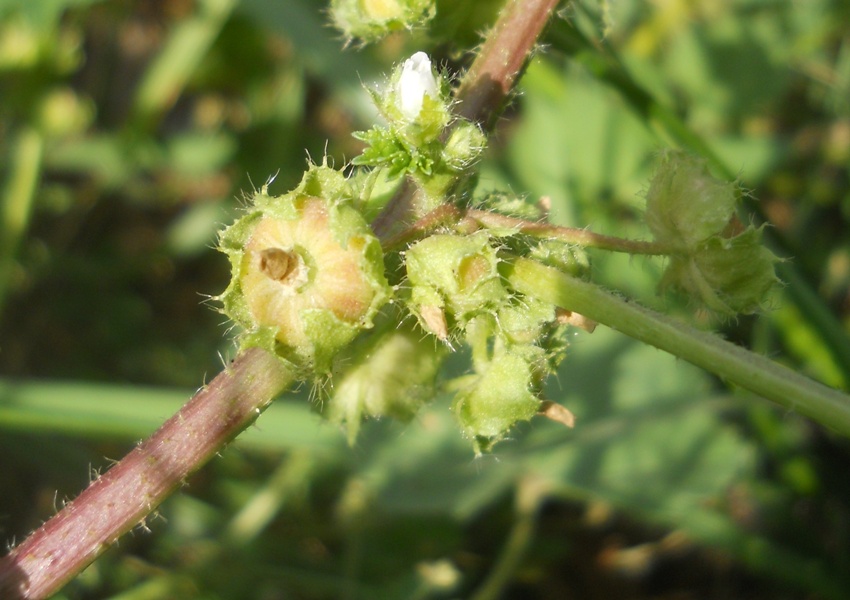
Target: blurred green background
{"points": [[131, 131]]}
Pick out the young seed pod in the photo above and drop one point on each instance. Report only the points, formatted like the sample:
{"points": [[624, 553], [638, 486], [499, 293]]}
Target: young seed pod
{"points": [[389, 373], [723, 266], [307, 272], [685, 204], [453, 276], [729, 275], [499, 395]]}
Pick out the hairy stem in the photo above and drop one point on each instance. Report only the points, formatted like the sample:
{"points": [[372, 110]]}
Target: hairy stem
{"points": [[495, 71], [571, 235], [472, 219], [732, 363], [122, 497]]}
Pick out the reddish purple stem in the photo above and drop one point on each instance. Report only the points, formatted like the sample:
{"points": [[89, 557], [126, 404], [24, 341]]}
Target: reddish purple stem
{"points": [[128, 492], [493, 75]]}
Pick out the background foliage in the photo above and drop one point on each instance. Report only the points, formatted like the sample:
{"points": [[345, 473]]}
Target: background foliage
{"points": [[129, 131]]}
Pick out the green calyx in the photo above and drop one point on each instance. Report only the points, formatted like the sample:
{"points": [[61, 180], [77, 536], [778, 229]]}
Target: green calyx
{"points": [[457, 293], [498, 395], [713, 258], [390, 373], [371, 20], [685, 204], [452, 279], [307, 273], [730, 275]]}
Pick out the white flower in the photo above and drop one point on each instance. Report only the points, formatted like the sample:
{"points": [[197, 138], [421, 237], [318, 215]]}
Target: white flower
{"points": [[417, 81]]}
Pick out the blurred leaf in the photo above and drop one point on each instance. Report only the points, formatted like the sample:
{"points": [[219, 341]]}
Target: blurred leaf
{"points": [[194, 154], [43, 14], [196, 230], [133, 412]]}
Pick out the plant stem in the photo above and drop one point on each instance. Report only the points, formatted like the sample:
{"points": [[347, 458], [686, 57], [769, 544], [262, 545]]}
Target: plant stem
{"points": [[732, 363], [443, 215], [492, 76], [571, 235], [122, 497], [472, 219], [128, 492]]}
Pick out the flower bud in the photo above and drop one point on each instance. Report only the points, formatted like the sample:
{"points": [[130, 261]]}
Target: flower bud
{"points": [[685, 204], [464, 146], [513, 206], [307, 272], [567, 258], [422, 138], [525, 320], [416, 102], [725, 267], [415, 83]]}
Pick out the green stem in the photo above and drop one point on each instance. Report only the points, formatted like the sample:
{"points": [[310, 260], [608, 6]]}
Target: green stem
{"points": [[732, 363], [17, 201]]}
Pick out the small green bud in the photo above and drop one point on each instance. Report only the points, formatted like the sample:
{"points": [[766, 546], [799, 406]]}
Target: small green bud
{"points": [[457, 275], [512, 206], [730, 275], [390, 373], [307, 272], [524, 320], [370, 20], [685, 204], [724, 266], [464, 146]]}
